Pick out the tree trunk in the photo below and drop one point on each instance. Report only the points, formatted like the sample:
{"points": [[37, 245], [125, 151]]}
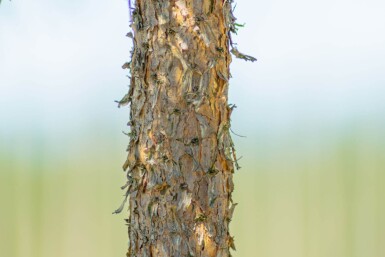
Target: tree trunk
{"points": [[181, 156]]}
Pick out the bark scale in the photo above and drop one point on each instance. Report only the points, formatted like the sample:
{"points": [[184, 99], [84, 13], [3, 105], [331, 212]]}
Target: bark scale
{"points": [[180, 156]]}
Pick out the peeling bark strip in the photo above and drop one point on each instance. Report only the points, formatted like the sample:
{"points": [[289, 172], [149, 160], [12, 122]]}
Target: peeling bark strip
{"points": [[180, 156]]}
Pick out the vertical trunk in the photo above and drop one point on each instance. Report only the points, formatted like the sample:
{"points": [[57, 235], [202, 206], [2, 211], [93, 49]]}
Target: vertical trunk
{"points": [[180, 160]]}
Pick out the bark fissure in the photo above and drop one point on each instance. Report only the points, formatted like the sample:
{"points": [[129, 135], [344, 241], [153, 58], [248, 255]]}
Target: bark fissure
{"points": [[181, 157]]}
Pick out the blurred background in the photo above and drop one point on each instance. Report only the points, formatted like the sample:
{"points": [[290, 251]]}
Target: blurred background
{"points": [[312, 108]]}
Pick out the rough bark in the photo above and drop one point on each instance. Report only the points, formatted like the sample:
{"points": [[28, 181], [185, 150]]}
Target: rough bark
{"points": [[180, 156]]}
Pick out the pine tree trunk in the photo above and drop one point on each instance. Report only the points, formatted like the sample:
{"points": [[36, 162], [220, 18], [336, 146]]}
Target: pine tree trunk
{"points": [[180, 160]]}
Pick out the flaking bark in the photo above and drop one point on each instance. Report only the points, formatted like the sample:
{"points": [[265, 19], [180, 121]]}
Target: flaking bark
{"points": [[180, 156]]}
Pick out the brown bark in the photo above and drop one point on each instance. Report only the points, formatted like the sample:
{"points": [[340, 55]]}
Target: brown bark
{"points": [[180, 160]]}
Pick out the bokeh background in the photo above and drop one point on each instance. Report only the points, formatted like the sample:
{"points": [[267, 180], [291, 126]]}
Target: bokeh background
{"points": [[312, 108]]}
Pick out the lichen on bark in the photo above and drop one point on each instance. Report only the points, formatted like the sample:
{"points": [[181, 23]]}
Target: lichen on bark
{"points": [[181, 156]]}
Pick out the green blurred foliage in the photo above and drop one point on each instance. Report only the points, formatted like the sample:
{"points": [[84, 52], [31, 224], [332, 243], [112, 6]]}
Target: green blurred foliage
{"points": [[299, 196]]}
